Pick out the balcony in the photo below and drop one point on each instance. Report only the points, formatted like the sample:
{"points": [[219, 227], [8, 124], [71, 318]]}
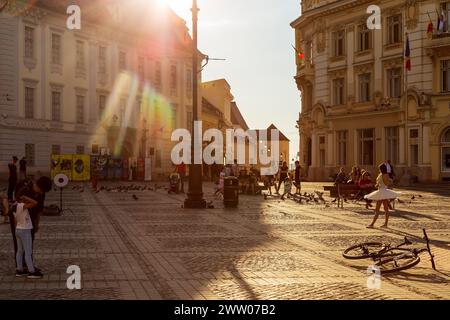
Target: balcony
{"points": [[438, 45]]}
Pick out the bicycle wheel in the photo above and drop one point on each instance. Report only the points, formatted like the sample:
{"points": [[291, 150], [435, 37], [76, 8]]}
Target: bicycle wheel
{"points": [[363, 250], [398, 263]]}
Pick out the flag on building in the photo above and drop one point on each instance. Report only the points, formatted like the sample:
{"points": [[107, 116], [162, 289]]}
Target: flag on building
{"points": [[430, 27], [408, 55], [441, 20], [300, 54]]}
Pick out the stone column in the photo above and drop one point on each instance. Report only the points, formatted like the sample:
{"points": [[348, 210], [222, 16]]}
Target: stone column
{"points": [[314, 144], [426, 144], [402, 146]]}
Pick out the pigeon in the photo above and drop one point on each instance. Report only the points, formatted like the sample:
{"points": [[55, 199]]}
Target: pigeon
{"points": [[420, 196], [413, 198], [135, 197], [400, 201]]}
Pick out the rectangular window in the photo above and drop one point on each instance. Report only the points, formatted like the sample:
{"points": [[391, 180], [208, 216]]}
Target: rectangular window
{"points": [[102, 60], [80, 109], [364, 87], [414, 133], [56, 149], [366, 147], [56, 106], [394, 77], [445, 76], [158, 75], [80, 149], [80, 55], [189, 86], [338, 91], [122, 61], [341, 147], [29, 42], [101, 105], [392, 146], [56, 48], [30, 154], [174, 116], [141, 67], [394, 29], [173, 80], [364, 38], [339, 43], [95, 149], [29, 103]]}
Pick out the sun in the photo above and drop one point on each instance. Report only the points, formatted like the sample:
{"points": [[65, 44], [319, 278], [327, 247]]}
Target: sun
{"points": [[179, 6]]}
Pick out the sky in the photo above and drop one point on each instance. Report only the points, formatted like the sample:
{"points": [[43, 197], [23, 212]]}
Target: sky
{"points": [[255, 37]]}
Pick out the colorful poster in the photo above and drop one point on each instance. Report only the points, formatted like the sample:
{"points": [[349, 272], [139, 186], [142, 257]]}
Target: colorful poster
{"points": [[81, 167], [61, 163]]}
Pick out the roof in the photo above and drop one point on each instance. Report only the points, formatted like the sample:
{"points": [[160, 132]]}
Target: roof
{"points": [[131, 17], [237, 118], [208, 106], [268, 131]]}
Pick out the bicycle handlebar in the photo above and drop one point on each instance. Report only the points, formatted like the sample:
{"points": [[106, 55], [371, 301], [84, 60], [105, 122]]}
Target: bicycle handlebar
{"points": [[429, 249]]}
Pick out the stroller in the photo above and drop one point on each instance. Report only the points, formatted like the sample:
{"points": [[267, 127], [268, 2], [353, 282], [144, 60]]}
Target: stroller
{"points": [[174, 181]]}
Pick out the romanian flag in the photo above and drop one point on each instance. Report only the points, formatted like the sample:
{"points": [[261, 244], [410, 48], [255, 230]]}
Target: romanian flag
{"points": [[407, 55], [300, 54]]}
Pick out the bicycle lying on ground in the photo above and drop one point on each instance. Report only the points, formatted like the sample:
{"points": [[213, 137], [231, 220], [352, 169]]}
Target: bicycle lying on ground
{"points": [[388, 258]]}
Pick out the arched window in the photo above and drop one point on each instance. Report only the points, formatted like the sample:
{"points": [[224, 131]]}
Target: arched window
{"points": [[446, 136]]}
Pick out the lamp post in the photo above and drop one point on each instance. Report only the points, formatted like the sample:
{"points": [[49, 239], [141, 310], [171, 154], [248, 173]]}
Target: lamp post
{"points": [[195, 195]]}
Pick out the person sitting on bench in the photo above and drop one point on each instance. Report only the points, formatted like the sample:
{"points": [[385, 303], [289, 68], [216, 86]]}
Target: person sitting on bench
{"points": [[366, 186]]}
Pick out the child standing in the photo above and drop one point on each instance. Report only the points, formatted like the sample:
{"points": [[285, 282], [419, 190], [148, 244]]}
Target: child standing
{"points": [[24, 240], [287, 187]]}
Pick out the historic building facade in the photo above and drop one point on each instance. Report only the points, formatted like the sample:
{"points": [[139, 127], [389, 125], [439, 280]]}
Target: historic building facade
{"points": [[120, 85], [360, 106]]}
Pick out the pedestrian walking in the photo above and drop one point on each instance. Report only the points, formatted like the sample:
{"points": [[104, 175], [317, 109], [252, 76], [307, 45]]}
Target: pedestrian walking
{"points": [[12, 180], [283, 175], [382, 196], [181, 170], [297, 178], [23, 168]]}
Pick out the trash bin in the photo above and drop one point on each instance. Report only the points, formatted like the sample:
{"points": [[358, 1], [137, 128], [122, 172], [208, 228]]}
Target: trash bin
{"points": [[231, 192]]}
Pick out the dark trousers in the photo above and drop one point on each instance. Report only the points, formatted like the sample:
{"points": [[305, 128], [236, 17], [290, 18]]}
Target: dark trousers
{"points": [[280, 182], [13, 233], [11, 187]]}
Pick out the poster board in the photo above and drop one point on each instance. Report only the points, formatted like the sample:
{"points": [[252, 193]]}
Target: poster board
{"points": [[61, 163], [81, 167]]}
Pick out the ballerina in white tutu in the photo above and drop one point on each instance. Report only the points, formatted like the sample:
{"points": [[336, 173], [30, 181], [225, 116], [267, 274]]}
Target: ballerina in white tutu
{"points": [[382, 196]]}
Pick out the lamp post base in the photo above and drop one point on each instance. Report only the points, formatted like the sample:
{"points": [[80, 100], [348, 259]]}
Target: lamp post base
{"points": [[195, 202]]}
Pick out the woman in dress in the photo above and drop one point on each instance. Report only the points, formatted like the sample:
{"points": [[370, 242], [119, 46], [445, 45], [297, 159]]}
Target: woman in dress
{"points": [[382, 196]]}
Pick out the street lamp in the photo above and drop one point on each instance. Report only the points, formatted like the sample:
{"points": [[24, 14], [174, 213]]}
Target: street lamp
{"points": [[195, 195]]}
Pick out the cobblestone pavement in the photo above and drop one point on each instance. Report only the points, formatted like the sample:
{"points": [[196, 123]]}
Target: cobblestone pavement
{"points": [[151, 248]]}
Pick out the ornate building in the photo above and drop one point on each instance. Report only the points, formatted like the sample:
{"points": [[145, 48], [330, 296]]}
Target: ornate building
{"points": [[360, 106], [119, 85]]}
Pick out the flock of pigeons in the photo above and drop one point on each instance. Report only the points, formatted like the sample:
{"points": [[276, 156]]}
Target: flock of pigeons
{"points": [[122, 189], [316, 197]]}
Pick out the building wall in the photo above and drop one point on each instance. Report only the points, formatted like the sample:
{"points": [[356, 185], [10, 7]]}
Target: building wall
{"points": [[423, 106], [16, 72]]}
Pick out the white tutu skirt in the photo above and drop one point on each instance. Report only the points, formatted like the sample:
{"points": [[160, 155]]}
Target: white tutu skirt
{"points": [[382, 194]]}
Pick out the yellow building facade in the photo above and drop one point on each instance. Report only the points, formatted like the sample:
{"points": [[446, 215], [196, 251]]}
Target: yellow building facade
{"points": [[360, 106]]}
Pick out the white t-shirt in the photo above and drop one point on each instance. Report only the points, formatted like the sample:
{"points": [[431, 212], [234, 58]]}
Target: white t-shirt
{"points": [[22, 217]]}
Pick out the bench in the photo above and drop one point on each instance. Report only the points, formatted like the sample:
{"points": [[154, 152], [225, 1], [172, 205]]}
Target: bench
{"points": [[342, 192]]}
